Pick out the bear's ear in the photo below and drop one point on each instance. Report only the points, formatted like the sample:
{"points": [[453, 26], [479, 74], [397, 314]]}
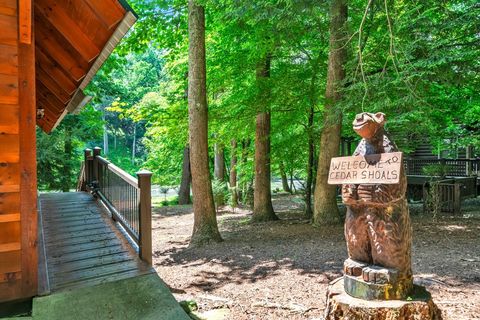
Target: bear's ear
{"points": [[380, 118]]}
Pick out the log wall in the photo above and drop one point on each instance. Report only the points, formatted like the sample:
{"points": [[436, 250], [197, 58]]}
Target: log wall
{"points": [[18, 195]]}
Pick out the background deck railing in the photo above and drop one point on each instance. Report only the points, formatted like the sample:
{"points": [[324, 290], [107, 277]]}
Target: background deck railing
{"points": [[449, 193], [127, 198], [451, 167]]}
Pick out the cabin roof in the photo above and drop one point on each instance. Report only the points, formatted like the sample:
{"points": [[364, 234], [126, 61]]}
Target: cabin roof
{"points": [[72, 41]]}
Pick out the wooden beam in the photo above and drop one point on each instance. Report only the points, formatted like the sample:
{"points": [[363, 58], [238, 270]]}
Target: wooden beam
{"points": [[59, 50], [110, 12], [28, 168], [49, 98], [56, 15], [55, 70], [53, 86], [25, 21]]}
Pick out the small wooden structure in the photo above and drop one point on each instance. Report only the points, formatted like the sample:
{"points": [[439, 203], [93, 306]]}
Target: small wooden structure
{"points": [[49, 52]]}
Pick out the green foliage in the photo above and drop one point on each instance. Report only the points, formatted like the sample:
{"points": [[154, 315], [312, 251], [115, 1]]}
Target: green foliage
{"points": [[221, 195], [417, 61], [59, 155], [435, 170]]}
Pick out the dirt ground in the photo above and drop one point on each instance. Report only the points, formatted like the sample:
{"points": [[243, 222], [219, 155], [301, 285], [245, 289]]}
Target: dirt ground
{"points": [[281, 270]]}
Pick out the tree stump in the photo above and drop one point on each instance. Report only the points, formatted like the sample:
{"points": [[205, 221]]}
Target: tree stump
{"points": [[341, 306]]}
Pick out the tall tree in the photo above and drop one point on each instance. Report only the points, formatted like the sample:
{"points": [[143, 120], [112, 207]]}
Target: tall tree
{"points": [[205, 227], [219, 162], [233, 173], [262, 198], [325, 204], [184, 191]]}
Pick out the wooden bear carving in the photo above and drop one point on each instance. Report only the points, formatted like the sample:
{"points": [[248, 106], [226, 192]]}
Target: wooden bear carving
{"points": [[377, 225]]}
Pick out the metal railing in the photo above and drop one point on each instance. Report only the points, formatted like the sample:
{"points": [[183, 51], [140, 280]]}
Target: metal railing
{"points": [[451, 167], [128, 199]]}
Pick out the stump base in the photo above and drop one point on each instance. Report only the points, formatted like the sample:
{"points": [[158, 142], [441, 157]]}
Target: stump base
{"points": [[341, 306]]}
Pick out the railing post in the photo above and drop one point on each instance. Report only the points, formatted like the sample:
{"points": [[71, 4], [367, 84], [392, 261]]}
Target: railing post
{"points": [[87, 155], [96, 152], [145, 208]]}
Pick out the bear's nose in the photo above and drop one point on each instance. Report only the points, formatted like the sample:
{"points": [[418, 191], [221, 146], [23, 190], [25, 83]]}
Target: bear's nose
{"points": [[359, 116]]}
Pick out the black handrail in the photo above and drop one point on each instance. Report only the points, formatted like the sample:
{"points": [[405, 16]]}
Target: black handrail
{"points": [[128, 199]]}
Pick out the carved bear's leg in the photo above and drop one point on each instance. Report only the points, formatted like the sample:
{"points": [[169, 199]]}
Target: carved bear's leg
{"points": [[356, 234], [390, 237]]}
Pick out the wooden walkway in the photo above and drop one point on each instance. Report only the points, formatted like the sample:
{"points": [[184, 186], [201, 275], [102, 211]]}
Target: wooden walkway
{"points": [[80, 245]]}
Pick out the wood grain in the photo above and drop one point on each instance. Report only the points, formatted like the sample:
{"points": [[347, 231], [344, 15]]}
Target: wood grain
{"points": [[8, 7], [28, 168], [68, 28], [8, 59], [82, 245], [25, 16], [9, 119], [8, 25], [8, 89]]}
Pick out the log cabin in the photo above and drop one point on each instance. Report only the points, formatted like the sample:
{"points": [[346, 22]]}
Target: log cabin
{"points": [[49, 52]]}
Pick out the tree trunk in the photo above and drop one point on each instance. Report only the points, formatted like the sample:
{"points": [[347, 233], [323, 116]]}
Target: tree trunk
{"points": [[310, 163], [283, 174], [184, 192], [134, 142], [325, 206], [242, 176], [219, 173], [105, 135], [205, 227], [67, 168], [219, 163], [262, 198], [233, 174]]}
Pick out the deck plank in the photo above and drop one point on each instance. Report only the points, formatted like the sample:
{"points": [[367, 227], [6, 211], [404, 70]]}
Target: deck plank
{"points": [[83, 247]]}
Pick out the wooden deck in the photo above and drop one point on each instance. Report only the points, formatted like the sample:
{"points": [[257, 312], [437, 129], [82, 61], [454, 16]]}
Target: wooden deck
{"points": [[80, 245]]}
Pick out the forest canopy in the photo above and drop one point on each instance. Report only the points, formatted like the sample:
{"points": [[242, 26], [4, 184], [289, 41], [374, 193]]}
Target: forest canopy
{"points": [[416, 61]]}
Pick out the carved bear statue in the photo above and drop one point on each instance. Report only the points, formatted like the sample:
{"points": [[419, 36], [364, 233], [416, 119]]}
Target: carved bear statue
{"points": [[377, 225]]}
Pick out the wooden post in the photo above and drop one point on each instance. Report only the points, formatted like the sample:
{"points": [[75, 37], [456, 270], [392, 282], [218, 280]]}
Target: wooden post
{"points": [[457, 200], [145, 208], [87, 155], [96, 152]]}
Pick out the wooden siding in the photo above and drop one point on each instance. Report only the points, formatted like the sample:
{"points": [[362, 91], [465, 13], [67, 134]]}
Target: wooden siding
{"points": [[18, 215]]}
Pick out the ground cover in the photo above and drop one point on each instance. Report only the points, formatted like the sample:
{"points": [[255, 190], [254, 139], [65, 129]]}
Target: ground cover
{"points": [[281, 270]]}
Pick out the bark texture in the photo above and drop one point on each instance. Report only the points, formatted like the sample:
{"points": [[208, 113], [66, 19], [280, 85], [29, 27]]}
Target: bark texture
{"points": [[184, 192], [284, 177], [341, 306], [205, 227], [310, 163], [262, 198], [219, 168], [325, 205], [233, 174], [219, 172]]}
